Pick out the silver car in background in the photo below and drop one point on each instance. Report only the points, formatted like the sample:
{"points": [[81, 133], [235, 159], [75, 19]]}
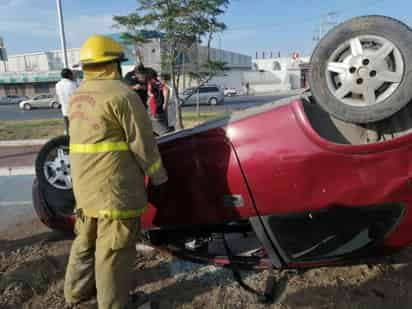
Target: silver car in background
{"points": [[40, 101], [208, 94]]}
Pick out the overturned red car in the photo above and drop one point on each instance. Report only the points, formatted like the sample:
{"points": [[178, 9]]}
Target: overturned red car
{"points": [[318, 179], [297, 193]]}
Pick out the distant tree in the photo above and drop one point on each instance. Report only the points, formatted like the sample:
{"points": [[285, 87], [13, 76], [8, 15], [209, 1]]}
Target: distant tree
{"points": [[133, 33], [185, 24]]}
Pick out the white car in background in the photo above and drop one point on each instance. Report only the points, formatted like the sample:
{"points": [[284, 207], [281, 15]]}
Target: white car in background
{"points": [[229, 92], [40, 101]]}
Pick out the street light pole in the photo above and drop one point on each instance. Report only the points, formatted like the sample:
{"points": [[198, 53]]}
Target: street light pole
{"points": [[62, 36]]}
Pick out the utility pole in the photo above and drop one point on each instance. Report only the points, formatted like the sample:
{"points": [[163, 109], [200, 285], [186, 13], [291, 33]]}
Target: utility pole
{"points": [[220, 48], [3, 54], [62, 35], [198, 82]]}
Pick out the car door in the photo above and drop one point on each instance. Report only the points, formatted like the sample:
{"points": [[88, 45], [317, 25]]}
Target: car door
{"points": [[37, 101], [43, 101], [204, 95], [47, 101], [192, 97], [195, 96]]}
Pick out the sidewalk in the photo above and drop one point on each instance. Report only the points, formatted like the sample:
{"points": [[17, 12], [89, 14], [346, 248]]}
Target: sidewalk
{"points": [[18, 157]]}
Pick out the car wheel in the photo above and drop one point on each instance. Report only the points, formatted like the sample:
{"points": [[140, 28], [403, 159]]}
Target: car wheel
{"points": [[361, 70], [55, 105], [27, 107], [213, 101], [54, 177]]}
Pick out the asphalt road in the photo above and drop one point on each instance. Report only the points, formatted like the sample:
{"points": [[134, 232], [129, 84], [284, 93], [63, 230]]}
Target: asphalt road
{"points": [[15, 200], [12, 112]]}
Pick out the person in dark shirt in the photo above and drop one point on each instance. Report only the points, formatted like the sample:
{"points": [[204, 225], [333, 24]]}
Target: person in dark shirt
{"points": [[137, 80]]}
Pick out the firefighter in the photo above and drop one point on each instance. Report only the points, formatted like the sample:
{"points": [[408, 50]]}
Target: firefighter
{"points": [[112, 148]]}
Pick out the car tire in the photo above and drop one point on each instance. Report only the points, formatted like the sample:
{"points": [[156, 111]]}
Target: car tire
{"points": [[55, 105], [213, 101], [60, 200], [27, 107], [348, 88]]}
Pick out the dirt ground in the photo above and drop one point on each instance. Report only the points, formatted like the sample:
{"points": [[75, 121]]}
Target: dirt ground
{"points": [[33, 260]]}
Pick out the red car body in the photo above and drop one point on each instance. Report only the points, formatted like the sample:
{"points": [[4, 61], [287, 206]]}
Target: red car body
{"points": [[308, 200]]}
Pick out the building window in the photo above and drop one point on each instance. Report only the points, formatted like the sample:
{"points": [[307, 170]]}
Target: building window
{"points": [[41, 88], [277, 66], [11, 89]]}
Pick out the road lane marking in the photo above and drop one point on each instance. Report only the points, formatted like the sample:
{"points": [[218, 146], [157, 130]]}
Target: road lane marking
{"points": [[27, 142], [17, 171], [16, 204]]}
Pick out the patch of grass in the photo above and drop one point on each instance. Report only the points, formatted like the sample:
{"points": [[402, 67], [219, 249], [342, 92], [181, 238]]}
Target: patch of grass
{"points": [[31, 129], [45, 129], [192, 116], [190, 119]]}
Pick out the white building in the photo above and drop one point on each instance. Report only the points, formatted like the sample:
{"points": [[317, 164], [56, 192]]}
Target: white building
{"points": [[276, 74], [40, 61], [34, 73]]}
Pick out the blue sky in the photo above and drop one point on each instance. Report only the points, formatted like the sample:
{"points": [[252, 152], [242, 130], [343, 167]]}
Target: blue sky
{"points": [[260, 25]]}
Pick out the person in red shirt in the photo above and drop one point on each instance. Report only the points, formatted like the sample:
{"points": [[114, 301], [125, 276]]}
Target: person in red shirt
{"points": [[156, 104]]}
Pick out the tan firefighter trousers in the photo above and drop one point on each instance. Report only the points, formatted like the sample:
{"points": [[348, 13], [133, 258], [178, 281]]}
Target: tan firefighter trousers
{"points": [[101, 259]]}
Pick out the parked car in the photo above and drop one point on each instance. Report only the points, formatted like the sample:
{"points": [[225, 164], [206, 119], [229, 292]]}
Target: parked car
{"points": [[208, 94], [12, 99], [40, 101], [230, 92]]}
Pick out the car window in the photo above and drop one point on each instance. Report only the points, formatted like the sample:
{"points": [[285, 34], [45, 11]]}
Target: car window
{"points": [[208, 89]]}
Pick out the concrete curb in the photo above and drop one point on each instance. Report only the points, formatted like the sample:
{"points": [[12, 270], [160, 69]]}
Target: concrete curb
{"points": [[17, 171], [16, 204], [28, 142], [281, 93]]}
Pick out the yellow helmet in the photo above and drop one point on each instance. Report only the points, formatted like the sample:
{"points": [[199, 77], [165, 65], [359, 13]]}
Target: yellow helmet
{"points": [[99, 48]]}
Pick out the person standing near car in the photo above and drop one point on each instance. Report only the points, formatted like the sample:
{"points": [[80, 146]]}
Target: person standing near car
{"points": [[112, 148], [169, 104], [137, 80], [156, 106], [64, 90]]}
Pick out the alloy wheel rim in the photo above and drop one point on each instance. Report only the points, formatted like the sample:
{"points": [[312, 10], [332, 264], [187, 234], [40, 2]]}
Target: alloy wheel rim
{"points": [[365, 71], [57, 169]]}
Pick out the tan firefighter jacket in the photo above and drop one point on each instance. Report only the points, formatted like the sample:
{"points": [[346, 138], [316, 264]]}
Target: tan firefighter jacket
{"points": [[112, 147]]}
